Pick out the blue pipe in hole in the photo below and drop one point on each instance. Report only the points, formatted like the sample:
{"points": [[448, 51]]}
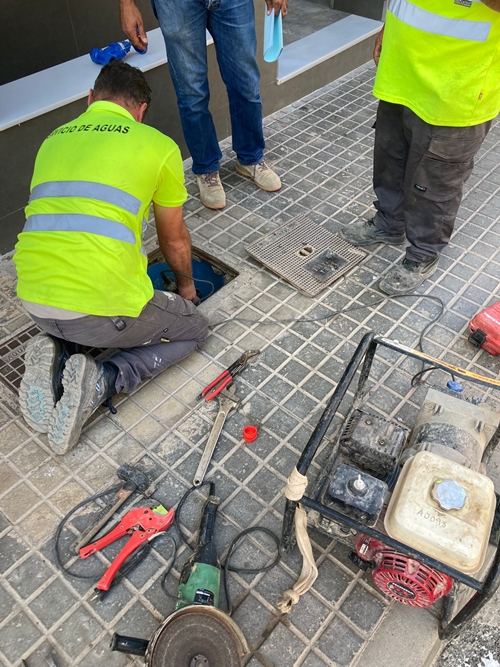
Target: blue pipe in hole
{"points": [[202, 270]]}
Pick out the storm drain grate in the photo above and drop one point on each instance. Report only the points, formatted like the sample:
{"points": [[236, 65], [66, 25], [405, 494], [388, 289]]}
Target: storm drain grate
{"points": [[12, 356], [12, 350], [306, 255]]}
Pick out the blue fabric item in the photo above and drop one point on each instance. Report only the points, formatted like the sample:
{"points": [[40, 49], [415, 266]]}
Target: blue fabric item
{"points": [[455, 386], [273, 36], [88, 190], [232, 26], [77, 222]]}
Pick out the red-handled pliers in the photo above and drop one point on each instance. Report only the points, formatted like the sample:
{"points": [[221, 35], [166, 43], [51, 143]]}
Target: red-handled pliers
{"points": [[227, 376], [143, 524]]}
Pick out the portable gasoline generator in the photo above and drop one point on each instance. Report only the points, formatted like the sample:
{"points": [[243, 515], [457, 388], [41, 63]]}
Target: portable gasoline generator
{"points": [[417, 508]]}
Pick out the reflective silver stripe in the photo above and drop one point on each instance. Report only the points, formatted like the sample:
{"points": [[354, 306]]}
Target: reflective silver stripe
{"points": [[474, 31], [143, 236], [89, 190], [76, 222]]}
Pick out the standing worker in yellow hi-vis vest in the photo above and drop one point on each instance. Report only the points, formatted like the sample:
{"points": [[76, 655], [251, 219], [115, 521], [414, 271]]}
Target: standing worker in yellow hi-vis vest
{"points": [[81, 265], [438, 81]]}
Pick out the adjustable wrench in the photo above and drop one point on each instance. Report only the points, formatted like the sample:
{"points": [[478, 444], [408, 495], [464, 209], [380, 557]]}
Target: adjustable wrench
{"points": [[227, 401]]}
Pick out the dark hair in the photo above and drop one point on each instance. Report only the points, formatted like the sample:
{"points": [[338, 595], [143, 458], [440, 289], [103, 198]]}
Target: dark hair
{"points": [[117, 80]]}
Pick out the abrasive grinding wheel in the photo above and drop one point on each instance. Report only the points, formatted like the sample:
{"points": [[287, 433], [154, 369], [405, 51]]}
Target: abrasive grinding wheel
{"points": [[197, 636]]}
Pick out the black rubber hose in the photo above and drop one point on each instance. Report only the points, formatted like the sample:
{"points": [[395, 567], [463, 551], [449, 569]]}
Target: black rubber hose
{"points": [[57, 552], [226, 566]]}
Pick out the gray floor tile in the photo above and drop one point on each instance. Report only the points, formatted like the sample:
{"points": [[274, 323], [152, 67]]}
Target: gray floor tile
{"points": [[282, 647], [17, 636], [339, 642], [322, 148]]}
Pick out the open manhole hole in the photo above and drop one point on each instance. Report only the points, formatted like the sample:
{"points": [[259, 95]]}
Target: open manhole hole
{"points": [[210, 274], [205, 267], [306, 255]]}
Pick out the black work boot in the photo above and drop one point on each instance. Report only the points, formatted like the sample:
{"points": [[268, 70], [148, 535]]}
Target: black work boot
{"points": [[87, 383], [41, 384], [408, 276], [365, 232]]}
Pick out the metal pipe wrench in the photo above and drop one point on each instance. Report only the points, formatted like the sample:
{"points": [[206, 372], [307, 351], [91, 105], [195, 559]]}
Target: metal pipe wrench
{"points": [[228, 401]]}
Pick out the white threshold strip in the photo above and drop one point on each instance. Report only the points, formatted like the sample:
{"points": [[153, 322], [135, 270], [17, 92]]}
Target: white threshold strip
{"points": [[52, 88], [57, 86], [306, 53]]}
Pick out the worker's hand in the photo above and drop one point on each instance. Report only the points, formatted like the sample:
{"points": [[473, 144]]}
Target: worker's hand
{"points": [[378, 47], [133, 25], [188, 292], [278, 6]]}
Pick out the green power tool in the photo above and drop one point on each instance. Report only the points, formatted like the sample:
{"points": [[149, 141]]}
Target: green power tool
{"points": [[200, 576], [197, 633]]}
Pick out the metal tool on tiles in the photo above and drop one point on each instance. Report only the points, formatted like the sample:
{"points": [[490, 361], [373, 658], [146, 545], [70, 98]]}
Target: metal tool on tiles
{"points": [[228, 401], [134, 480], [197, 633], [142, 525], [226, 377]]}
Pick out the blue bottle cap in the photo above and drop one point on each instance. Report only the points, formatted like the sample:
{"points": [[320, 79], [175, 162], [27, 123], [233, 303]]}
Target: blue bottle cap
{"points": [[455, 386]]}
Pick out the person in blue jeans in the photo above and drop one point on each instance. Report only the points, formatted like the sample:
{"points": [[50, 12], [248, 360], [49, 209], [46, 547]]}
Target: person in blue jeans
{"points": [[232, 26]]}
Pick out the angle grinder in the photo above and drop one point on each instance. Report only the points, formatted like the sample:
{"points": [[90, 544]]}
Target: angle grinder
{"points": [[196, 634], [200, 576]]}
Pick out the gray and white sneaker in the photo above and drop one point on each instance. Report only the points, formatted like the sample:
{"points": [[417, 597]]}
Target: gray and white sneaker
{"points": [[365, 232], [407, 276], [261, 174], [87, 383], [41, 385], [212, 193]]}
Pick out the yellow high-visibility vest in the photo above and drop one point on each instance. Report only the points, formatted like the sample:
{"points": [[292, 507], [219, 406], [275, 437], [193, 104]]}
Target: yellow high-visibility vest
{"points": [[441, 58], [94, 180]]}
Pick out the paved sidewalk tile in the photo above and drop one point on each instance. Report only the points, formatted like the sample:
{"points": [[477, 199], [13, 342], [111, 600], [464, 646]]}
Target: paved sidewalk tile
{"points": [[321, 146]]}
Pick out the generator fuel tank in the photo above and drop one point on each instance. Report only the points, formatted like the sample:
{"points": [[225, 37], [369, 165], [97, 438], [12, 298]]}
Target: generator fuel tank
{"points": [[444, 510]]}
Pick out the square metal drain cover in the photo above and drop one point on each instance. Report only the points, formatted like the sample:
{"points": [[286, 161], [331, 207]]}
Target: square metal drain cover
{"points": [[306, 255], [12, 356]]}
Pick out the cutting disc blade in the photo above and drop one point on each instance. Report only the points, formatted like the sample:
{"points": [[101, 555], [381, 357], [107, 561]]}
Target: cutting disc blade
{"points": [[197, 637]]}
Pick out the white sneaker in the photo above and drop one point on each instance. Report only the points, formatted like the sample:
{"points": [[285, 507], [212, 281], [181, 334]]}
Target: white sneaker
{"points": [[212, 193], [262, 175]]}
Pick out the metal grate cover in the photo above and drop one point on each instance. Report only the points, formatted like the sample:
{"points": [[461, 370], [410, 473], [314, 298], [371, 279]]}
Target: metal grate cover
{"points": [[12, 350], [12, 356], [306, 255]]}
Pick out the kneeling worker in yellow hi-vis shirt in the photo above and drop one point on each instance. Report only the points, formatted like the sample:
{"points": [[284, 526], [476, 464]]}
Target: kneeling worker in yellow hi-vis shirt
{"points": [[81, 265], [438, 81]]}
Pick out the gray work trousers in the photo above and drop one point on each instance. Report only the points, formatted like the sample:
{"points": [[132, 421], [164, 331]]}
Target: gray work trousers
{"points": [[167, 317], [419, 171]]}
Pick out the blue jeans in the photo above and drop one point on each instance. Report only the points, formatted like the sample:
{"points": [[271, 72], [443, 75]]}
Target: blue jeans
{"points": [[232, 26]]}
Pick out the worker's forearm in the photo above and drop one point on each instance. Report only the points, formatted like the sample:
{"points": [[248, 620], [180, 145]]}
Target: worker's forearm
{"points": [[492, 4], [178, 256]]}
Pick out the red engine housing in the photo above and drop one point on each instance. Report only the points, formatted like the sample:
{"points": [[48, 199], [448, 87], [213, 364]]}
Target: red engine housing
{"points": [[400, 577], [485, 329]]}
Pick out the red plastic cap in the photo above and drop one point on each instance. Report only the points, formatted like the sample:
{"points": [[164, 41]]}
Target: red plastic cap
{"points": [[250, 433]]}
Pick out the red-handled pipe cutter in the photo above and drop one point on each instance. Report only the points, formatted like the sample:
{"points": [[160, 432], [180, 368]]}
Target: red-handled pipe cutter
{"points": [[226, 377], [143, 524]]}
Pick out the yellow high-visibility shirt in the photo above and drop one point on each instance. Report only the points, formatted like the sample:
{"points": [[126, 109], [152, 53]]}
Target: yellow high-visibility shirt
{"points": [[93, 183], [441, 58]]}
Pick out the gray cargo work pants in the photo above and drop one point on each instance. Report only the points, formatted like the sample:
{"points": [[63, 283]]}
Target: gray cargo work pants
{"points": [[168, 329], [418, 175]]}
